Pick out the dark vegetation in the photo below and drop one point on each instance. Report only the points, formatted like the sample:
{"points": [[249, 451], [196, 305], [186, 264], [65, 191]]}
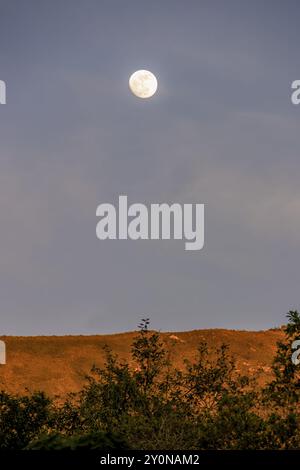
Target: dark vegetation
{"points": [[208, 405]]}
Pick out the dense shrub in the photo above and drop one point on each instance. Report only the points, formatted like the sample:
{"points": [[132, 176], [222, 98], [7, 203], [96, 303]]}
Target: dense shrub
{"points": [[151, 405], [92, 441], [21, 419]]}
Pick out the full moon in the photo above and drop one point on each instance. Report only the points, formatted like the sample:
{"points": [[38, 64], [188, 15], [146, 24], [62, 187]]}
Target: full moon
{"points": [[143, 84]]}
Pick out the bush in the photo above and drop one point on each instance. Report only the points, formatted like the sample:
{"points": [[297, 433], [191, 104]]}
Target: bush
{"points": [[151, 405], [92, 441], [21, 419]]}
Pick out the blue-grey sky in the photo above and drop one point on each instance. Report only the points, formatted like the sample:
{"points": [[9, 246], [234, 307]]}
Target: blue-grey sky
{"points": [[221, 131]]}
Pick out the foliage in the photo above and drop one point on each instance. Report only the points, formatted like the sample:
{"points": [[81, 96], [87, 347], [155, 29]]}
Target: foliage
{"points": [[146, 403], [21, 419], [284, 390], [92, 441]]}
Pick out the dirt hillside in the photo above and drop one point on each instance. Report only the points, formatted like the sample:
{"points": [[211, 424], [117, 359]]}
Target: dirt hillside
{"points": [[59, 364]]}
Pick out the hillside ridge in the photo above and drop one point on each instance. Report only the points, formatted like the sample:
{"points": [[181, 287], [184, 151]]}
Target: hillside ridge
{"points": [[59, 365]]}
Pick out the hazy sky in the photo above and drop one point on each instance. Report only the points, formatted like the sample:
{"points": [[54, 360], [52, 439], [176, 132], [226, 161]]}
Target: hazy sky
{"points": [[220, 131]]}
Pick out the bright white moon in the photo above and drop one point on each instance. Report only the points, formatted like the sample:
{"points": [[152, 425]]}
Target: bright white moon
{"points": [[143, 84]]}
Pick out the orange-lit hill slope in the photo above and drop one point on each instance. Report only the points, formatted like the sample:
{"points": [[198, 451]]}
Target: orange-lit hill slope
{"points": [[59, 364]]}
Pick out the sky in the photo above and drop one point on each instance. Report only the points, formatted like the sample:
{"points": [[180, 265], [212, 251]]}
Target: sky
{"points": [[221, 131]]}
